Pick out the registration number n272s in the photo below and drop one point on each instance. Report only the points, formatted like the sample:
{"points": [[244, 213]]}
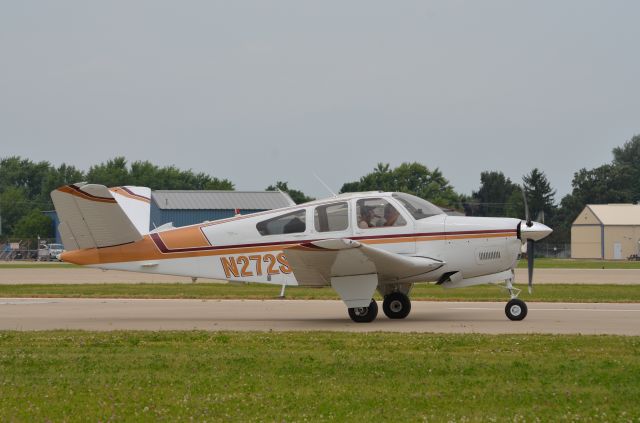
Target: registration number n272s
{"points": [[255, 265]]}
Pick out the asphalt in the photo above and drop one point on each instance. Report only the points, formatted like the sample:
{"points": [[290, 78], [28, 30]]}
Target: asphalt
{"points": [[85, 275], [298, 315]]}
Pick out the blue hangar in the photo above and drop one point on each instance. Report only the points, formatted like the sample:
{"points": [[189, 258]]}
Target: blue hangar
{"points": [[186, 207]]}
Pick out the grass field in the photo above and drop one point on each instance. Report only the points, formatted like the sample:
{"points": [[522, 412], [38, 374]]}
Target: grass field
{"points": [[546, 292], [170, 376], [547, 263], [541, 263]]}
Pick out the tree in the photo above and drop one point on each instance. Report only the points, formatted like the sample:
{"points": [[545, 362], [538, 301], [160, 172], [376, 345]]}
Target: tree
{"points": [[298, 197], [539, 194], [33, 225], [13, 205], [412, 178], [113, 173], [627, 159], [495, 195], [22, 173]]}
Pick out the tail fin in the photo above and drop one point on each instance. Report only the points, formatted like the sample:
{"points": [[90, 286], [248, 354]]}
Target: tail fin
{"points": [[91, 217], [136, 204]]}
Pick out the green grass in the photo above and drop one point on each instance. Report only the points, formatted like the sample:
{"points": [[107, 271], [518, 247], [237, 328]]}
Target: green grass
{"points": [[231, 376], [553, 293], [549, 263]]}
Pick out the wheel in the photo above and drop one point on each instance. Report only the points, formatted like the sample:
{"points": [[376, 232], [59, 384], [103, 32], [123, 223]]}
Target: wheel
{"points": [[364, 314], [396, 305], [516, 309]]}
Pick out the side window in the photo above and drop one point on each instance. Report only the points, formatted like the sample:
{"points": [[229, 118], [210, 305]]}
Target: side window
{"points": [[377, 213], [331, 218], [286, 224]]}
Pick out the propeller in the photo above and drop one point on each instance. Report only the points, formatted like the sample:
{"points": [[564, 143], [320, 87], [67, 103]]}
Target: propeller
{"points": [[530, 242]]}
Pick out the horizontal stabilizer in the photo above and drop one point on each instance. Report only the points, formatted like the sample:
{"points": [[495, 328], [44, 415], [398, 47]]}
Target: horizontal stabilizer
{"points": [[90, 217]]}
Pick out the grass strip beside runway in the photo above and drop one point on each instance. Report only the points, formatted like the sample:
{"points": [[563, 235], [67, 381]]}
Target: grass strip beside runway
{"points": [[546, 292], [230, 376]]}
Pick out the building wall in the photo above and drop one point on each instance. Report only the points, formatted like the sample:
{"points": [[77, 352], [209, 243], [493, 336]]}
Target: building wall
{"points": [[586, 241], [626, 236], [587, 217]]}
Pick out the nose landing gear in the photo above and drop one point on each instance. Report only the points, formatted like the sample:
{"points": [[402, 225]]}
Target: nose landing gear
{"points": [[516, 309]]}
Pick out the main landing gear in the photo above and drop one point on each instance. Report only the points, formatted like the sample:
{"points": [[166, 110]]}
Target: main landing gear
{"points": [[364, 314], [396, 305], [516, 309]]}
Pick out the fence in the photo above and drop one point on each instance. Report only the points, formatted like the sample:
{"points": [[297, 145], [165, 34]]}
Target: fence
{"points": [[15, 250], [553, 250]]}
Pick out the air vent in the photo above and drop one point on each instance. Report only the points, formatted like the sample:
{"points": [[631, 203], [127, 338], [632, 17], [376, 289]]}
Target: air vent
{"points": [[489, 255]]}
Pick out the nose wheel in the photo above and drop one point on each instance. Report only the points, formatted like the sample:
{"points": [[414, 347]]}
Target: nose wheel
{"points": [[364, 314], [516, 309], [396, 305]]}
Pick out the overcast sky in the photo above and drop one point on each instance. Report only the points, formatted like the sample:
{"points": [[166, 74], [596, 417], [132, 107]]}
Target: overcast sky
{"points": [[259, 91]]}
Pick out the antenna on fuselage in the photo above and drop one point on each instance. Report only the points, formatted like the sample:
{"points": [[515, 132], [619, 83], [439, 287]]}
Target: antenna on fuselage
{"points": [[325, 185]]}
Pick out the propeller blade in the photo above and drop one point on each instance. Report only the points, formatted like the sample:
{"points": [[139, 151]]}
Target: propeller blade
{"points": [[530, 252], [526, 209]]}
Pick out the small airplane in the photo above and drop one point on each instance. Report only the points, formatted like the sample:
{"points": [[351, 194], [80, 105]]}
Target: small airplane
{"points": [[356, 243]]}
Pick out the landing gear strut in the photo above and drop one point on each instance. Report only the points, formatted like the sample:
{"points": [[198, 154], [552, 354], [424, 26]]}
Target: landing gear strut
{"points": [[396, 305], [364, 314], [516, 309]]}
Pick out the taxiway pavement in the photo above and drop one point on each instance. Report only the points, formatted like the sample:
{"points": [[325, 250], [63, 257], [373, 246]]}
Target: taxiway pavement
{"points": [[316, 315]]}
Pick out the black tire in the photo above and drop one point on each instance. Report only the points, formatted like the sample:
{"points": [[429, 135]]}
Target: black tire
{"points": [[364, 314], [516, 309], [396, 305]]}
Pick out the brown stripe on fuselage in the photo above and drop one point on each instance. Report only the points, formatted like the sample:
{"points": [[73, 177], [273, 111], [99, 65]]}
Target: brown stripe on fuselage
{"points": [[186, 238], [153, 247]]}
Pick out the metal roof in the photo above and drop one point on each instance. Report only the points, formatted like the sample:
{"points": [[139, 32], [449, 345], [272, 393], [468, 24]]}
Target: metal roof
{"points": [[617, 214], [220, 200]]}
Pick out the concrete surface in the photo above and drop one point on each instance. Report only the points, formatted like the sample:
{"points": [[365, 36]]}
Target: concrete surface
{"points": [[298, 315]]}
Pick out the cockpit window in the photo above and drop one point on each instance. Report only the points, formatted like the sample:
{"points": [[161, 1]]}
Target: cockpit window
{"points": [[376, 213], [286, 224], [416, 206], [331, 217]]}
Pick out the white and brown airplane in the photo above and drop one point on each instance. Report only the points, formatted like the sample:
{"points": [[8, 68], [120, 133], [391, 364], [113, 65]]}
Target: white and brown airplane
{"points": [[356, 243]]}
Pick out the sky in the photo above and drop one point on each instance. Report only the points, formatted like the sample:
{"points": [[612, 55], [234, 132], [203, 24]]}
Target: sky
{"points": [[258, 91]]}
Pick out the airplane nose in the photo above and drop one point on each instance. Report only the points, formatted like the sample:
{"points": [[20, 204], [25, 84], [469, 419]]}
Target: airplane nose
{"points": [[535, 232]]}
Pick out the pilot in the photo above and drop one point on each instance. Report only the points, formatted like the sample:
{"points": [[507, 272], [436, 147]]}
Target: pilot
{"points": [[366, 217], [390, 215]]}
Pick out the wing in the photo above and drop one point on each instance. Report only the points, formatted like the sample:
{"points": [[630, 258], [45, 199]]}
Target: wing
{"points": [[316, 263]]}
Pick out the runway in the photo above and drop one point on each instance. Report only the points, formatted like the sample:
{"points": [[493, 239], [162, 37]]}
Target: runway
{"points": [[86, 275], [317, 315]]}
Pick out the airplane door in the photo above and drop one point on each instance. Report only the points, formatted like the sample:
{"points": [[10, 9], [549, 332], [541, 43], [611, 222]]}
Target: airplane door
{"points": [[381, 224]]}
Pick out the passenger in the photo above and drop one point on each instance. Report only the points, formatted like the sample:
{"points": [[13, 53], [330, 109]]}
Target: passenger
{"points": [[390, 215], [366, 217]]}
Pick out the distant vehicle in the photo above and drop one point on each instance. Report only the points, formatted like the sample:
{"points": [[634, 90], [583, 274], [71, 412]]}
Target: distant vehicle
{"points": [[49, 252], [356, 243]]}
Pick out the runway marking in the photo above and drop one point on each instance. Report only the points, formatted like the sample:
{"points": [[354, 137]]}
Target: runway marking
{"points": [[546, 309]]}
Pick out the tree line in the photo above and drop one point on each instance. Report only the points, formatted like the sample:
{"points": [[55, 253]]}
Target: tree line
{"points": [[25, 186]]}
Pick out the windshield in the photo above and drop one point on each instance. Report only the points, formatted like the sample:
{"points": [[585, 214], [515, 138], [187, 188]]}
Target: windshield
{"points": [[418, 207]]}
